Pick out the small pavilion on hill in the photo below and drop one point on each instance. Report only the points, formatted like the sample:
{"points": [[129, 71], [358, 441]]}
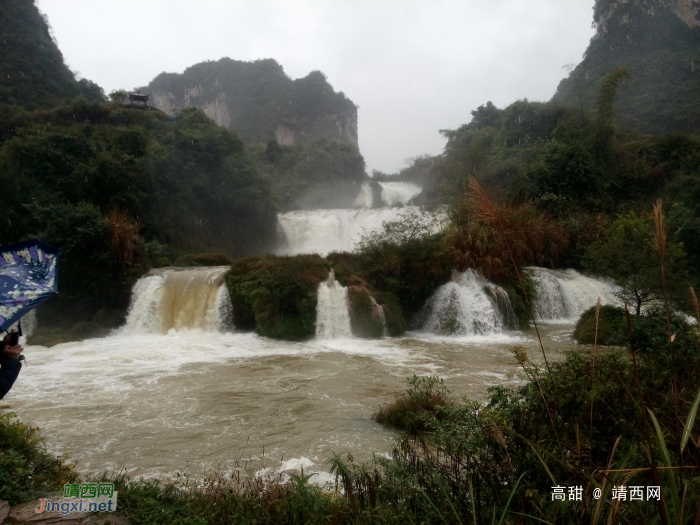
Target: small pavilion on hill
{"points": [[141, 101]]}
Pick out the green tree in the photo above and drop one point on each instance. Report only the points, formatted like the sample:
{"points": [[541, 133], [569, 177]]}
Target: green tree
{"points": [[605, 111], [627, 254], [118, 96]]}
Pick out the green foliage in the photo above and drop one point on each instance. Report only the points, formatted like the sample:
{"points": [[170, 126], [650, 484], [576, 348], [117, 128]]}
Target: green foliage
{"points": [[70, 173], [203, 259], [627, 255], [321, 174], [276, 296], [660, 52], [416, 409], [118, 96], [407, 259], [612, 327], [605, 111], [25, 466]]}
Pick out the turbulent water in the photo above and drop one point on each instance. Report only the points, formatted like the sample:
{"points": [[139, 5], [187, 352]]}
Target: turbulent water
{"points": [[398, 192], [332, 313], [468, 305], [326, 231], [563, 295], [180, 298]]}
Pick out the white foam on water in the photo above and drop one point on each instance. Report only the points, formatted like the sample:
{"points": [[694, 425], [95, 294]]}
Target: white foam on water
{"points": [[463, 308], [326, 231], [364, 198], [332, 310], [398, 192], [563, 295]]}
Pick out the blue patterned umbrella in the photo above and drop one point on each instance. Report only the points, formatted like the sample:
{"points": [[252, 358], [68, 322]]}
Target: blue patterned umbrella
{"points": [[27, 278]]}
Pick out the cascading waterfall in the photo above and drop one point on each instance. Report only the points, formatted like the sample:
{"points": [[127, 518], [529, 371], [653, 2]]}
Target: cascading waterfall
{"points": [[332, 311], [180, 298], [364, 198], [467, 305], [325, 231], [398, 192], [563, 295]]}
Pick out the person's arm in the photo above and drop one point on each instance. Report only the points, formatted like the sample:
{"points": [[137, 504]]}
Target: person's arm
{"points": [[10, 365]]}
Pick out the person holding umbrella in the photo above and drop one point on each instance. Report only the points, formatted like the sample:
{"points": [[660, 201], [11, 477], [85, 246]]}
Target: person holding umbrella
{"points": [[10, 366], [27, 278]]}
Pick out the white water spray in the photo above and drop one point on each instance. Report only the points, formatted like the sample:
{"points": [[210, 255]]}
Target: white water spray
{"points": [[364, 198], [563, 295], [326, 231], [398, 192], [180, 298], [332, 311], [467, 305]]}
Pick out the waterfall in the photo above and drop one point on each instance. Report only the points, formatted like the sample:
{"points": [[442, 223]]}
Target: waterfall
{"points": [[180, 298], [563, 295], [364, 198], [394, 193], [325, 231], [467, 305], [332, 312]]}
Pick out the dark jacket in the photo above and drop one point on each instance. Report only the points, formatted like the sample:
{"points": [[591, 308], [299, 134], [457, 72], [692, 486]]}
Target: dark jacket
{"points": [[9, 370]]}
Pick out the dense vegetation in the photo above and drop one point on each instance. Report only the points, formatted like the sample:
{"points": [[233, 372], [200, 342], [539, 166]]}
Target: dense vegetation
{"points": [[119, 190], [25, 465], [660, 51]]}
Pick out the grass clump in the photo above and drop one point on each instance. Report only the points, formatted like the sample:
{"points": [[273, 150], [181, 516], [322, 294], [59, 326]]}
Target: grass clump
{"points": [[25, 466], [612, 327], [415, 409]]}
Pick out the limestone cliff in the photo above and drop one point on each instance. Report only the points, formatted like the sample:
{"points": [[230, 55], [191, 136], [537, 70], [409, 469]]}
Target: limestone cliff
{"points": [[259, 101], [33, 73], [659, 42]]}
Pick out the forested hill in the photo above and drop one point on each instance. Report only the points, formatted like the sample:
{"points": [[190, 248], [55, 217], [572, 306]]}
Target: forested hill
{"points": [[259, 101], [32, 70], [659, 42]]}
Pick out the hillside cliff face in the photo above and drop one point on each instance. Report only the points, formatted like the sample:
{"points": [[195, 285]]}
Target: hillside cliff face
{"points": [[32, 70], [659, 42], [259, 101]]}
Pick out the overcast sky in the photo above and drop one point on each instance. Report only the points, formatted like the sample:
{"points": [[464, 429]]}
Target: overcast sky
{"points": [[413, 67]]}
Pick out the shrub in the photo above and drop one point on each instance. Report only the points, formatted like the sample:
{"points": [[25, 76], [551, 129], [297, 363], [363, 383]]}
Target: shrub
{"points": [[25, 466], [414, 410], [612, 327], [203, 259], [276, 296]]}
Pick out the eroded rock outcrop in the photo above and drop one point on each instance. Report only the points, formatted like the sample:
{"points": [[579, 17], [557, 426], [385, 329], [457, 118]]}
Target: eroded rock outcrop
{"points": [[259, 101]]}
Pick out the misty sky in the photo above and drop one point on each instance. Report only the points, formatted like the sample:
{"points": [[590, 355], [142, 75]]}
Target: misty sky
{"points": [[413, 67]]}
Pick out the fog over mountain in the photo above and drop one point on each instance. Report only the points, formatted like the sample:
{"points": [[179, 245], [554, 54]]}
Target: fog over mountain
{"points": [[412, 67]]}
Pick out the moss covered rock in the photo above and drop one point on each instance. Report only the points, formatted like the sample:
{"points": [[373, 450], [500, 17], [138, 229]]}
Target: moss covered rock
{"points": [[366, 318], [612, 327], [393, 314], [276, 296]]}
